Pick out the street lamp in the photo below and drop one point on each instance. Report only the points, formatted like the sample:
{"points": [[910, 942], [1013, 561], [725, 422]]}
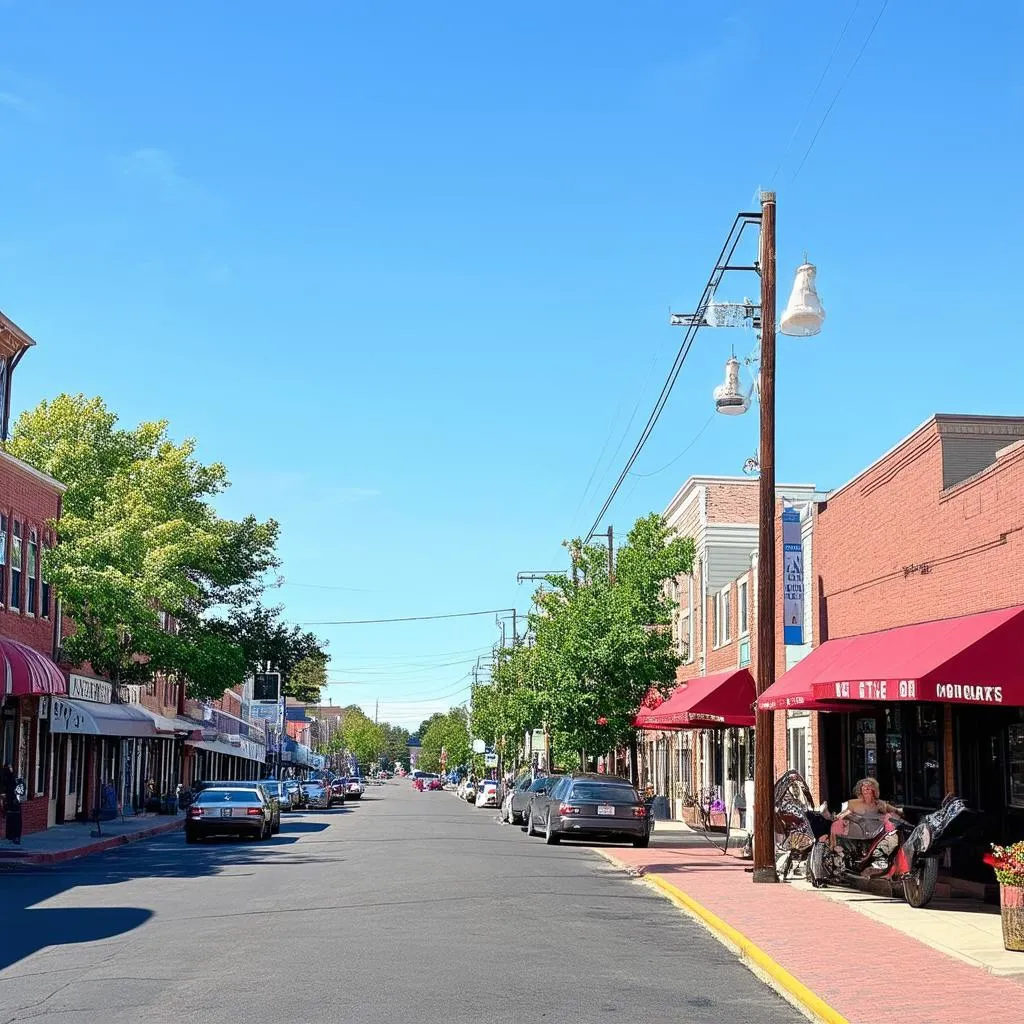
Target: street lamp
{"points": [[802, 318]]}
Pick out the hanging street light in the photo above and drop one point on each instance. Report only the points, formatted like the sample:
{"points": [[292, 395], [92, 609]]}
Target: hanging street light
{"points": [[804, 313], [729, 399]]}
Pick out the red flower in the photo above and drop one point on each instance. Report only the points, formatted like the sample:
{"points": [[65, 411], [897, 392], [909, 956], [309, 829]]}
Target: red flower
{"points": [[602, 720], [992, 860]]}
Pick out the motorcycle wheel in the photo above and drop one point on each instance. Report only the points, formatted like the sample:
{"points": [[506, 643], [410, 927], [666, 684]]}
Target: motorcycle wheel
{"points": [[919, 885], [816, 869]]}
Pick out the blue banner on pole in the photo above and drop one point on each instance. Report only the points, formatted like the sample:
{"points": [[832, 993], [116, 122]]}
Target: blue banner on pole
{"points": [[792, 578]]}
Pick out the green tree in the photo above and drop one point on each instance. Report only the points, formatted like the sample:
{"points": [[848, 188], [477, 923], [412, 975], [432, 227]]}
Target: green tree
{"points": [[359, 736], [139, 536], [396, 743], [598, 648], [448, 732]]}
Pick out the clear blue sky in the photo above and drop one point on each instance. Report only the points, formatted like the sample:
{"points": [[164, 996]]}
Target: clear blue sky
{"points": [[406, 267]]}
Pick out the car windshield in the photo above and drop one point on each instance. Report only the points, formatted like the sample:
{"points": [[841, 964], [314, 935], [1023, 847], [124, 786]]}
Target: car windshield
{"points": [[230, 796], [601, 792]]}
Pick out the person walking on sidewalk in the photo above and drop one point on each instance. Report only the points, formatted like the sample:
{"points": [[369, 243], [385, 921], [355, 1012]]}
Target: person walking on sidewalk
{"points": [[11, 799]]}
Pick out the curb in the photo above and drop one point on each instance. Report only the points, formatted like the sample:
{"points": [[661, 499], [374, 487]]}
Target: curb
{"points": [[100, 846], [777, 975]]}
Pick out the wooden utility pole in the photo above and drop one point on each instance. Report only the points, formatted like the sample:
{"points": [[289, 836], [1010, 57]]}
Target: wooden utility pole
{"points": [[611, 555], [764, 732]]}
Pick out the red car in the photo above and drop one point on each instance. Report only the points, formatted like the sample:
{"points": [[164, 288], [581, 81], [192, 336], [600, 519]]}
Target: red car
{"points": [[435, 784]]}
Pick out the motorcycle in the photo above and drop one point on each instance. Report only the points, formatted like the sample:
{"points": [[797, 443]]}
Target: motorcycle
{"points": [[889, 847], [798, 823]]}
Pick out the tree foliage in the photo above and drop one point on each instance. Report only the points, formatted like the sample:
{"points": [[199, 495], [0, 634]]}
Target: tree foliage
{"points": [[448, 732], [596, 654], [139, 536], [359, 736], [396, 744]]}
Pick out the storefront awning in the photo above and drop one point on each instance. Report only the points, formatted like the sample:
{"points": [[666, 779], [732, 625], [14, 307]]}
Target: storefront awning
{"points": [[246, 748], [725, 698], [25, 672], [86, 718], [973, 659], [170, 727]]}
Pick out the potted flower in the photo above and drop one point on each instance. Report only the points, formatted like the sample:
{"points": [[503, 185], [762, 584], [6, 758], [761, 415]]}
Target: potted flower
{"points": [[1008, 862]]}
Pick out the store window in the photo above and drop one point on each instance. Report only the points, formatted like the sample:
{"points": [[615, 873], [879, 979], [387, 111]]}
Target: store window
{"points": [[865, 748], [796, 748], [1015, 760], [925, 744], [895, 759], [742, 609]]}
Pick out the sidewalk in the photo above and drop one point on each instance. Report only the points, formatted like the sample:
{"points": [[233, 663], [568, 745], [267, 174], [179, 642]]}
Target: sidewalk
{"points": [[64, 842], [854, 951]]}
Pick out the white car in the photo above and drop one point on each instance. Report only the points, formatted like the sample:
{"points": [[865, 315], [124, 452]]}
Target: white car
{"points": [[487, 793], [355, 788]]}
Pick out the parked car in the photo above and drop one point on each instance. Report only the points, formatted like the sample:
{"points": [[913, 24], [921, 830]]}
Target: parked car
{"points": [[268, 789], [590, 806], [355, 788], [470, 792], [339, 790], [229, 811], [280, 790], [435, 783], [316, 794], [295, 791], [517, 800], [487, 793]]}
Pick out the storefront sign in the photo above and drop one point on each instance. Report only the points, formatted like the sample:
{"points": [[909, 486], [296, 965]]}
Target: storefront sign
{"points": [[129, 693], [792, 578], [87, 688], [266, 711], [67, 715], [973, 694]]}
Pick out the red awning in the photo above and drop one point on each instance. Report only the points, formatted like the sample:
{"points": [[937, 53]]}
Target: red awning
{"points": [[25, 672], [792, 690], [973, 659], [721, 699]]}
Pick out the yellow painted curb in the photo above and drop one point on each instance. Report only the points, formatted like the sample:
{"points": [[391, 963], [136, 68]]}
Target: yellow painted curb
{"points": [[796, 990]]}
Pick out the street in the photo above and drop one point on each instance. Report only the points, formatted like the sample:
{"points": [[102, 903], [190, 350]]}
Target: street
{"points": [[404, 907]]}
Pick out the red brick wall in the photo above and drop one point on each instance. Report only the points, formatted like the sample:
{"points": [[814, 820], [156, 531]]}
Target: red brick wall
{"points": [[893, 548], [26, 499], [732, 503]]}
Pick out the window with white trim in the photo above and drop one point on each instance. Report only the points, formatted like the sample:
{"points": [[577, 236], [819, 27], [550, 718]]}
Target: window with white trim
{"points": [[743, 605], [796, 745], [685, 652], [3, 560], [723, 616], [31, 564], [16, 567]]}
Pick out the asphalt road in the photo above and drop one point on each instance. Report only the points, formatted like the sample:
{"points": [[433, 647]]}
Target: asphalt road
{"points": [[407, 907]]}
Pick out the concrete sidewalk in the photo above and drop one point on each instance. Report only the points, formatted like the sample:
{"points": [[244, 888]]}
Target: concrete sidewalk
{"points": [[856, 952], [77, 838]]}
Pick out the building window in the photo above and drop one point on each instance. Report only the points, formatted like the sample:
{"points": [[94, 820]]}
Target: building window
{"points": [[723, 611], [3, 559], [16, 567], [31, 571], [742, 606], [796, 747], [44, 586], [685, 653]]}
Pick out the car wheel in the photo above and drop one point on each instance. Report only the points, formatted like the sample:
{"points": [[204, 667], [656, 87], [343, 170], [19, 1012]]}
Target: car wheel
{"points": [[642, 842], [268, 831], [551, 837], [530, 830], [191, 837]]}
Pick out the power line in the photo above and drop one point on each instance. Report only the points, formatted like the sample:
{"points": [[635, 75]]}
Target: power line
{"points": [[684, 349], [856, 61], [696, 438], [814, 94], [406, 618]]}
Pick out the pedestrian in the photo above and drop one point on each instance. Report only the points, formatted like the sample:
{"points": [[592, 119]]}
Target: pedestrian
{"points": [[11, 798]]}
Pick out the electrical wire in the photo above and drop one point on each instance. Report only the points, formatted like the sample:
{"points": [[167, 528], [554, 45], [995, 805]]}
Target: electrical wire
{"points": [[842, 84], [696, 438], [814, 94], [715, 277], [406, 618]]}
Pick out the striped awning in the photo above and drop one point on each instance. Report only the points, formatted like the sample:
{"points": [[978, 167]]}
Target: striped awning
{"points": [[25, 672]]}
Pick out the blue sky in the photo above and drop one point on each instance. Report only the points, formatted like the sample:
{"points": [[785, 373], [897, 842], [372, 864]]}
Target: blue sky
{"points": [[406, 268]]}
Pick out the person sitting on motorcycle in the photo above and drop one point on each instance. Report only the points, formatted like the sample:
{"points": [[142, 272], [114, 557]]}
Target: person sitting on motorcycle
{"points": [[865, 804]]}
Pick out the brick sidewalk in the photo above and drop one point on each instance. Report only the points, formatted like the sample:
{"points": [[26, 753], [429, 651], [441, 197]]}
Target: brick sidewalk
{"points": [[865, 970]]}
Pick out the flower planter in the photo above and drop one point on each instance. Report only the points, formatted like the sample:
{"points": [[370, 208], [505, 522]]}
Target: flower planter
{"points": [[1011, 910]]}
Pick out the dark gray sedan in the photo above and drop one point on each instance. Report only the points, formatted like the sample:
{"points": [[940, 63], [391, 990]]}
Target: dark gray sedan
{"points": [[517, 804], [590, 807]]}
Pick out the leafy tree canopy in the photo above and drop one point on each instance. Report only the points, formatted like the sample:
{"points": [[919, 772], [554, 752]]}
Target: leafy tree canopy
{"points": [[448, 732], [139, 536], [358, 735]]}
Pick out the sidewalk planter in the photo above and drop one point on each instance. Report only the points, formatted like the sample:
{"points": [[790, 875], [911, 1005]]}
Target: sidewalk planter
{"points": [[1011, 910], [1008, 862]]}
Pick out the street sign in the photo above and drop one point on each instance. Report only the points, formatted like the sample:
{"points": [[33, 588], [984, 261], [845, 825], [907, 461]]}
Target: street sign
{"points": [[479, 746], [490, 760]]}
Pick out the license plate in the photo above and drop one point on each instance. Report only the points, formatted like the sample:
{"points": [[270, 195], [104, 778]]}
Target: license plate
{"points": [[225, 812], [606, 809]]}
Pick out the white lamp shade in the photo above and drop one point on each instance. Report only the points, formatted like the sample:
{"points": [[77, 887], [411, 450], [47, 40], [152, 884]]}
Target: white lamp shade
{"points": [[729, 399], [804, 313]]}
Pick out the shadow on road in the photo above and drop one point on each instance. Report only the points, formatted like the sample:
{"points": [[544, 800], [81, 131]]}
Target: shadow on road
{"points": [[26, 927]]}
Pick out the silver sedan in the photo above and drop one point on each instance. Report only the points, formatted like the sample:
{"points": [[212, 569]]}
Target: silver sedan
{"points": [[316, 794]]}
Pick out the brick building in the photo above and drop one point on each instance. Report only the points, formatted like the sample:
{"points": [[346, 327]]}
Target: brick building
{"points": [[715, 631], [907, 557], [29, 502]]}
